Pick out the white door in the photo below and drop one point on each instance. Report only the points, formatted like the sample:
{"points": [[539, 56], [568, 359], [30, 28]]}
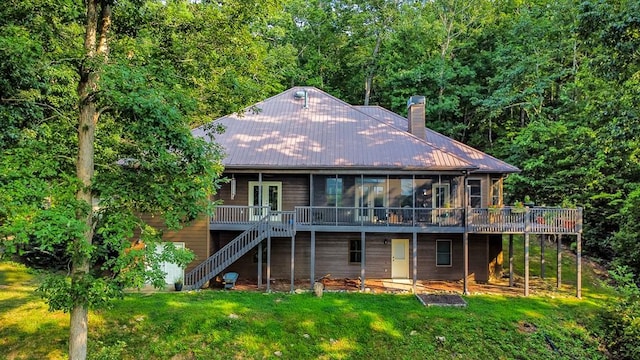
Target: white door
{"points": [[400, 258], [271, 197], [171, 270]]}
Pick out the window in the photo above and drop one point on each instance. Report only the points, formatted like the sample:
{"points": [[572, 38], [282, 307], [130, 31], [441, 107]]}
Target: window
{"points": [[406, 192], [355, 251], [333, 191], [441, 195], [443, 252], [496, 191], [475, 193]]}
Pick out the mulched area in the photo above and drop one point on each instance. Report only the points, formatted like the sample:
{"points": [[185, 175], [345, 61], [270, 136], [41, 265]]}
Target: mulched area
{"points": [[441, 300], [379, 286], [389, 286]]}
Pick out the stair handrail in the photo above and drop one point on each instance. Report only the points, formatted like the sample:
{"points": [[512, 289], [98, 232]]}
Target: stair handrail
{"points": [[217, 262]]}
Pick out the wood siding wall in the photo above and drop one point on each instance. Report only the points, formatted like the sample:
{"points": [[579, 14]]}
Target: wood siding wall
{"points": [[332, 256], [295, 190], [195, 236]]}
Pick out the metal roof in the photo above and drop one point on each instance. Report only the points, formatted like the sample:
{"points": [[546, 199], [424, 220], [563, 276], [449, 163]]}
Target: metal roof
{"points": [[282, 133], [484, 162]]}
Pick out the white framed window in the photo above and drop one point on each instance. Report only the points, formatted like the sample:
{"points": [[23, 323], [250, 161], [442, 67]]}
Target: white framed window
{"points": [[496, 191], [474, 187], [441, 195], [443, 253]]}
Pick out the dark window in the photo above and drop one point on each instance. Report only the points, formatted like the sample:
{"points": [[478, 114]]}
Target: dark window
{"points": [[355, 251], [333, 191], [443, 252], [475, 193]]}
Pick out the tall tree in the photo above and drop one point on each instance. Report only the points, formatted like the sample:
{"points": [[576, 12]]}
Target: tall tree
{"points": [[97, 24], [98, 99]]}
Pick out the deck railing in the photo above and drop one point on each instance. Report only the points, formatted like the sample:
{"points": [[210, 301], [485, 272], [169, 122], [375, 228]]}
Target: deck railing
{"points": [[283, 223], [231, 252], [230, 214], [523, 219], [378, 216], [478, 220]]}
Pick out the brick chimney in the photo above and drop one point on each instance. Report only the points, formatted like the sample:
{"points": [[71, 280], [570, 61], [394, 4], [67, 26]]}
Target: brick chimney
{"points": [[416, 116]]}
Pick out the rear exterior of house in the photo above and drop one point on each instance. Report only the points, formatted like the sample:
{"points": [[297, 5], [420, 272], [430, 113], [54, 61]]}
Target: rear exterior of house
{"points": [[355, 192]]}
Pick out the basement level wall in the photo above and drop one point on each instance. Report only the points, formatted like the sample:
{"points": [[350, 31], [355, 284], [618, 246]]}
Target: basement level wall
{"points": [[332, 256]]}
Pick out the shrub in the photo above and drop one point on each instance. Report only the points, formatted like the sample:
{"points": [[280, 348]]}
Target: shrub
{"points": [[621, 319]]}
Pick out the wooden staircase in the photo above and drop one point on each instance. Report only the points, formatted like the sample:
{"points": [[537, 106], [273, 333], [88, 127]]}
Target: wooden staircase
{"points": [[274, 224]]}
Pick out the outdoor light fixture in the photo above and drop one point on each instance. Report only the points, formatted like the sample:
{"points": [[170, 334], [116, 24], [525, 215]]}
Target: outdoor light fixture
{"points": [[233, 187]]}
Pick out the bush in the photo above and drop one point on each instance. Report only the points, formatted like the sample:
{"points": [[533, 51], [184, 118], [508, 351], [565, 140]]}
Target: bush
{"points": [[621, 319]]}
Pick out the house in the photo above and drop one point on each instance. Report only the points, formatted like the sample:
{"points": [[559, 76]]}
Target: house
{"points": [[355, 192]]}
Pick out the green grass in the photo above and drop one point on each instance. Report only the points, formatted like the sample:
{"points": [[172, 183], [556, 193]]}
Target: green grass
{"points": [[251, 325]]}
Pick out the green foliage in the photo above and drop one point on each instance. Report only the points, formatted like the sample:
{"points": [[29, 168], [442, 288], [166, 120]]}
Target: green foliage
{"points": [[550, 86], [620, 327], [626, 242], [62, 294], [171, 66]]}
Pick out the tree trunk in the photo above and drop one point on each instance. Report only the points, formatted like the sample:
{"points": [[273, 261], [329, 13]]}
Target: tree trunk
{"points": [[369, 80], [78, 332], [95, 45]]}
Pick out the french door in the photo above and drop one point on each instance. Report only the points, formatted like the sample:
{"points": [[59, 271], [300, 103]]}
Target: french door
{"points": [[268, 194], [440, 201], [370, 194]]}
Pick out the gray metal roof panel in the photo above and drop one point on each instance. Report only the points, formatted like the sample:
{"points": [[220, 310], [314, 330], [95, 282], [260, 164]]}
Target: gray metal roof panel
{"points": [[281, 133], [484, 162]]}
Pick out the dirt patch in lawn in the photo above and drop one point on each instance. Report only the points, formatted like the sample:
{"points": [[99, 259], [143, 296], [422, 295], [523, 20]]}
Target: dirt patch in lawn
{"points": [[441, 300], [389, 286]]}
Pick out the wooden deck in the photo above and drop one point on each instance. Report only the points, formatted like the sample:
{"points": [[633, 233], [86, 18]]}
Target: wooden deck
{"points": [[503, 220]]}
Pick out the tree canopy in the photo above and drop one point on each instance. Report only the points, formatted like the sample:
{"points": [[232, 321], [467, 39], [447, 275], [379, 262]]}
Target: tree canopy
{"points": [[549, 86]]}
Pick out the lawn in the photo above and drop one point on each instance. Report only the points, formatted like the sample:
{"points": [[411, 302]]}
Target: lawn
{"points": [[252, 325]]}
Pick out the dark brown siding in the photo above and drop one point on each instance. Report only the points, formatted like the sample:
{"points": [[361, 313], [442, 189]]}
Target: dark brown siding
{"points": [[427, 268], [478, 257], [332, 256], [295, 190], [195, 236], [247, 266]]}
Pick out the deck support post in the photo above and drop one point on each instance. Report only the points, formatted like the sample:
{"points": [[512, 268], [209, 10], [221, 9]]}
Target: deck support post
{"points": [[259, 264], [526, 264], [465, 251], [510, 260], [579, 266], [312, 261], [293, 262], [269, 263], [558, 261], [542, 264], [362, 260], [415, 260], [465, 235]]}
